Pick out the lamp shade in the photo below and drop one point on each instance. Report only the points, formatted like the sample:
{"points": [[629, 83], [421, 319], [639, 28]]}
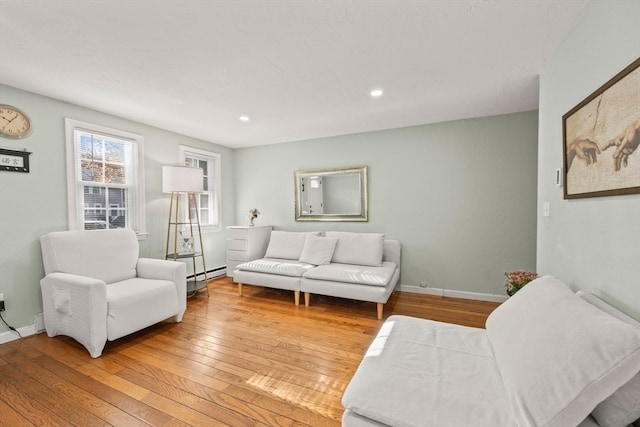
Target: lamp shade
{"points": [[182, 179]]}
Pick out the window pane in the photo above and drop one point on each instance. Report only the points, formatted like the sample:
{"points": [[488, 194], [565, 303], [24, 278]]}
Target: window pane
{"points": [[94, 197], [118, 197], [204, 217], [94, 208], [114, 174], [90, 148], [91, 171], [118, 221], [114, 152], [205, 168], [117, 208]]}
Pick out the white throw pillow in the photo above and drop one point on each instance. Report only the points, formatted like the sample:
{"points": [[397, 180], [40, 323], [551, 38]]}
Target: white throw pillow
{"points": [[318, 250], [622, 407], [358, 248], [558, 355], [286, 244]]}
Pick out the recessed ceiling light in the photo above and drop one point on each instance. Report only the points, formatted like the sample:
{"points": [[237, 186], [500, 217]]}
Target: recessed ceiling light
{"points": [[244, 118], [376, 93]]}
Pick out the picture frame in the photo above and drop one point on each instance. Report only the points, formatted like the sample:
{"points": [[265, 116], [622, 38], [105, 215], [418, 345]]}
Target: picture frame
{"points": [[601, 138], [14, 161]]}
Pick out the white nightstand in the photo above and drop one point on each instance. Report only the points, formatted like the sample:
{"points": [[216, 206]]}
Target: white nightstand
{"points": [[246, 243]]}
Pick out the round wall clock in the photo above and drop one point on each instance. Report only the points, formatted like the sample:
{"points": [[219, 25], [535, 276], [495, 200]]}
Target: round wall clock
{"points": [[14, 123]]}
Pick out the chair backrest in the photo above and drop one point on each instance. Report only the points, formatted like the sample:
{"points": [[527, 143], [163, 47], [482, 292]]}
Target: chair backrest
{"points": [[108, 255]]}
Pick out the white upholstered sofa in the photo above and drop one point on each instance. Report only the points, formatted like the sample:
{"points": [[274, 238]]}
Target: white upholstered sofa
{"points": [[97, 289], [360, 266], [548, 357]]}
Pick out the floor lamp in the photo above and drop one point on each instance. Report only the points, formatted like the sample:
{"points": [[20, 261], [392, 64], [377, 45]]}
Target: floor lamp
{"points": [[182, 180]]}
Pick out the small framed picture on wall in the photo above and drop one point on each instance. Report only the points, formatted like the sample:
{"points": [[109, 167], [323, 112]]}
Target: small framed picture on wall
{"points": [[14, 161]]}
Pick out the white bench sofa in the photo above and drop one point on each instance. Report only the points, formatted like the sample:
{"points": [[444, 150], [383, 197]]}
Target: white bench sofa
{"points": [[360, 266], [548, 357]]}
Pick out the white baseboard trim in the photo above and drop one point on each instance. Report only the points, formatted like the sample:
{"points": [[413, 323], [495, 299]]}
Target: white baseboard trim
{"points": [[9, 336], [211, 274], [453, 293], [25, 331]]}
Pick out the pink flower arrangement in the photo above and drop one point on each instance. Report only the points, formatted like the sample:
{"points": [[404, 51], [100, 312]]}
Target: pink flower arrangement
{"points": [[517, 279]]}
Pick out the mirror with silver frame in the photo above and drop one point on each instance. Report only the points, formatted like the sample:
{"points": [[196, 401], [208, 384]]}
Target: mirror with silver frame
{"points": [[338, 194]]}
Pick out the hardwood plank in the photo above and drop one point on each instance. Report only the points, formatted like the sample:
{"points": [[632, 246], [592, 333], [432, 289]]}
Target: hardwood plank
{"points": [[74, 414], [89, 402], [11, 416], [26, 404], [255, 360], [133, 407]]}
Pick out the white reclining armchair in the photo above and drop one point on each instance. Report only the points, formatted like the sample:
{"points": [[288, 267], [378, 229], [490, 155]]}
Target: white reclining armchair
{"points": [[97, 289]]}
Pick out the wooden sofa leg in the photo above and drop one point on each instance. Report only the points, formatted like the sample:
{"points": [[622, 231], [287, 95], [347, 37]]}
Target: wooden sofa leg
{"points": [[296, 297], [307, 297], [239, 288], [380, 308]]}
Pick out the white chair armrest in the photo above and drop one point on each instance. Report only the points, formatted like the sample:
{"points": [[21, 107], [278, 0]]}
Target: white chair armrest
{"points": [[76, 306], [160, 269], [174, 271]]}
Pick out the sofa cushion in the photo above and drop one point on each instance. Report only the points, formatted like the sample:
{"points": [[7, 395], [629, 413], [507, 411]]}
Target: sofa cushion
{"points": [[318, 250], [558, 355], [347, 273], [286, 244], [419, 372], [127, 299], [622, 407], [358, 248], [276, 266]]}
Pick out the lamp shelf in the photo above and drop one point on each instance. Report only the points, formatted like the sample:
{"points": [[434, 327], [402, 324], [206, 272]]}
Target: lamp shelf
{"points": [[179, 256], [193, 286]]}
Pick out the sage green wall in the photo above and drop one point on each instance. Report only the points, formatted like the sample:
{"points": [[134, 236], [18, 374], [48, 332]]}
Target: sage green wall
{"points": [[594, 243], [460, 196], [35, 203]]}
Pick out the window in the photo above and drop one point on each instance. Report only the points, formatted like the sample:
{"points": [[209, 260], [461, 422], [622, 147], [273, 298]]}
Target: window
{"points": [[105, 178], [208, 202]]}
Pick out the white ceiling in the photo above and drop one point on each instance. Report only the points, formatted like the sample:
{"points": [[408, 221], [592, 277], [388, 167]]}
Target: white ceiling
{"points": [[299, 69]]}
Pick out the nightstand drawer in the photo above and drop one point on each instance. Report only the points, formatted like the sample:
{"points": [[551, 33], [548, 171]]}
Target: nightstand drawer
{"points": [[237, 245], [237, 233], [241, 256]]}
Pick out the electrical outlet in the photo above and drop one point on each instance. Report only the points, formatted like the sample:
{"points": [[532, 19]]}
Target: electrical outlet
{"points": [[423, 284], [1, 302]]}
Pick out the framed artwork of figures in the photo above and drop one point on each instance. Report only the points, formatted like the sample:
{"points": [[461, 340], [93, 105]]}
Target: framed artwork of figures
{"points": [[601, 137]]}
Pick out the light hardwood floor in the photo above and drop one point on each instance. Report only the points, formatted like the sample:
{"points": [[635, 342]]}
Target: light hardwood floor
{"points": [[255, 360]]}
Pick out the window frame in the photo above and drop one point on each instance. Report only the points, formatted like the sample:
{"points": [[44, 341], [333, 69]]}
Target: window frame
{"points": [[75, 186], [215, 160]]}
